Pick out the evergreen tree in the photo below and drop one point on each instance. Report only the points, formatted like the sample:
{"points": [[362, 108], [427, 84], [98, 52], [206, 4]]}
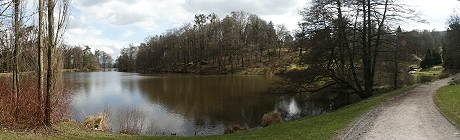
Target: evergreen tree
{"points": [[432, 58]]}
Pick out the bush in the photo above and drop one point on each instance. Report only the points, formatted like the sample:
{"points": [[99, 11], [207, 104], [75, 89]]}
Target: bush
{"points": [[432, 58], [131, 120], [97, 122], [271, 119], [455, 82], [29, 107], [234, 129]]}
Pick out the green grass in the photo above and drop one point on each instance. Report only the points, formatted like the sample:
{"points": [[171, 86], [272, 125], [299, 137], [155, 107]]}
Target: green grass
{"points": [[435, 70], [321, 127], [448, 101]]}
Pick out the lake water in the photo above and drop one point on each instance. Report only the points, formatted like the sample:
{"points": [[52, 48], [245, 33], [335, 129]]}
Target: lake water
{"points": [[186, 105]]}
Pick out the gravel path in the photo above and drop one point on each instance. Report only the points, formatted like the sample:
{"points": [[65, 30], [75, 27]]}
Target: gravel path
{"points": [[411, 116]]}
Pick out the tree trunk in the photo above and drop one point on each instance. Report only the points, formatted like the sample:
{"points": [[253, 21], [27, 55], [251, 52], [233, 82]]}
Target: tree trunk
{"points": [[41, 8], [369, 80], [366, 58], [396, 70], [50, 77], [242, 60], [17, 5], [396, 62]]}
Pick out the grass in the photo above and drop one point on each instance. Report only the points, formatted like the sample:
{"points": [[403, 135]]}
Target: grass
{"points": [[5, 74], [448, 101], [65, 130], [435, 70], [70, 70], [321, 127]]}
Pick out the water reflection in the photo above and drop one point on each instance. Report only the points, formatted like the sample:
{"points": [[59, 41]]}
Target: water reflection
{"points": [[185, 104]]}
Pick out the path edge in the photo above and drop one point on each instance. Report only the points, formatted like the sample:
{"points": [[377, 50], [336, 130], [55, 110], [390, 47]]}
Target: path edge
{"points": [[354, 130], [439, 109]]}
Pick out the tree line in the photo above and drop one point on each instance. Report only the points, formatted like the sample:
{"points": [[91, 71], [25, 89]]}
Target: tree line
{"points": [[356, 45], [451, 51], [210, 44], [83, 59]]}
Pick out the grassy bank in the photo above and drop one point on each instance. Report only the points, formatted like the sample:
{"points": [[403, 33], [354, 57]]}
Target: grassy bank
{"points": [[448, 101], [322, 127]]}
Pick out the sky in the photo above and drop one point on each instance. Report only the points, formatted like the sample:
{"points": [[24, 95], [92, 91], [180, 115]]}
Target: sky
{"points": [[110, 25]]}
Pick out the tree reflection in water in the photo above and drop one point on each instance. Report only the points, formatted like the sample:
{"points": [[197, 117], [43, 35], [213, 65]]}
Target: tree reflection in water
{"points": [[185, 105]]}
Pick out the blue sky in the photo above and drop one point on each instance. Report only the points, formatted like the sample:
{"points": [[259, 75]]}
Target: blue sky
{"points": [[110, 25]]}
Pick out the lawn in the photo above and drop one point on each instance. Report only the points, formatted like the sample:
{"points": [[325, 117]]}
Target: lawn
{"points": [[321, 127], [435, 70], [448, 101]]}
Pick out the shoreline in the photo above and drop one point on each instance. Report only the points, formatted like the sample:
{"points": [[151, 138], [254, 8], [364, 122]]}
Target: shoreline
{"points": [[325, 126]]}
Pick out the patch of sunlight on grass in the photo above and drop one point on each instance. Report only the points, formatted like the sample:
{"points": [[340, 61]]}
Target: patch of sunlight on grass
{"points": [[448, 101], [296, 67], [435, 70]]}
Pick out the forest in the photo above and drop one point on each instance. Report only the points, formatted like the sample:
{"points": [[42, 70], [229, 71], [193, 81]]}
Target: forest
{"points": [[83, 59], [211, 45]]}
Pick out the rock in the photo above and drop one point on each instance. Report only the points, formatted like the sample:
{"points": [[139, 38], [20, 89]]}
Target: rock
{"points": [[234, 129], [271, 118], [97, 122]]}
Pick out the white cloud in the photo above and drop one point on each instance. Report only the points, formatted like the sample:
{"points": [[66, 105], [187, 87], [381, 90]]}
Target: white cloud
{"points": [[128, 33], [146, 14], [263, 7], [108, 24], [95, 39], [435, 12]]}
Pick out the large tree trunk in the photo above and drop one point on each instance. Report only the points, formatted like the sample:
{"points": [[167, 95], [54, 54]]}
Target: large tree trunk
{"points": [[369, 78], [395, 61], [41, 8], [366, 58], [396, 70], [378, 40], [17, 5], [50, 77]]}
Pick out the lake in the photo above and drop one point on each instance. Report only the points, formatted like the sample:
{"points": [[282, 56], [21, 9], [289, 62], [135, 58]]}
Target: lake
{"points": [[187, 105]]}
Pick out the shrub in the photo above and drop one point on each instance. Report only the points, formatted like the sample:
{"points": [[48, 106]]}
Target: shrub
{"points": [[432, 58], [97, 122], [234, 129], [29, 107], [271, 118], [131, 121], [455, 82]]}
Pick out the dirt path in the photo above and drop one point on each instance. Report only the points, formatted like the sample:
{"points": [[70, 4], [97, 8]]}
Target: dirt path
{"points": [[411, 116]]}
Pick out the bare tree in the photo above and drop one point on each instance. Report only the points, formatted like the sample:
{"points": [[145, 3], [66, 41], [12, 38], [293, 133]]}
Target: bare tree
{"points": [[55, 37], [50, 77], [17, 23], [41, 22], [356, 31]]}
